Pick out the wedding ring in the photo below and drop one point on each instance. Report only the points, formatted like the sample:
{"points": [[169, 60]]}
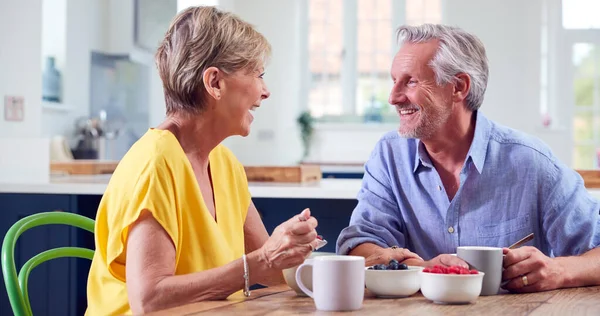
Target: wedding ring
{"points": [[524, 280], [394, 247]]}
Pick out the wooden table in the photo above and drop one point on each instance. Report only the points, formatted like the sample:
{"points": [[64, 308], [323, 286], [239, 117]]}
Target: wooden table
{"points": [[280, 300]]}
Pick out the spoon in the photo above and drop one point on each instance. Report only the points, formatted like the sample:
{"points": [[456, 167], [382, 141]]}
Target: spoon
{"points": [[521, 242]]}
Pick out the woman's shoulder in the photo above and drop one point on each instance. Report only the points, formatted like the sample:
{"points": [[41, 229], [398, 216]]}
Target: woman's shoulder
{"points": [[223, 159], [155, 149], [224, 154]]}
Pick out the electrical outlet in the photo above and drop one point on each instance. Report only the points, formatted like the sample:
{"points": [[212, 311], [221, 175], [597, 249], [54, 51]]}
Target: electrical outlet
{"points": [[14, 108]]}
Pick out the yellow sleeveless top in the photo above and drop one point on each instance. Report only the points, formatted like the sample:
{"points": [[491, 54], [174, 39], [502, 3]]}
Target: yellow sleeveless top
{"points": [[157, 176]]}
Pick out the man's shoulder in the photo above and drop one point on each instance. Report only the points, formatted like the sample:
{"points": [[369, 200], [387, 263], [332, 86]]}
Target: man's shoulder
{"points": [[393, 149], [394, 139], [518, 142]]}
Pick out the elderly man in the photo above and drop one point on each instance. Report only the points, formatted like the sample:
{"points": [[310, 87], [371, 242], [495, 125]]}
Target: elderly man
{"points": [[450, 177]]}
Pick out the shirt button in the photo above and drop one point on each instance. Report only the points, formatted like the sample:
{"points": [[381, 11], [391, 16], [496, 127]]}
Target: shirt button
{"points": [[451, 229], [439, 188]]}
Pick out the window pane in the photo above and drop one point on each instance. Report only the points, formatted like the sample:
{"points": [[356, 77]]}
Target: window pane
{"points": [[373, 93], [584, 91], [582, 125], [325, 56], [325, 96], [584, 157], [374, 54], [580, 14], [585, 59], [423, 11]]}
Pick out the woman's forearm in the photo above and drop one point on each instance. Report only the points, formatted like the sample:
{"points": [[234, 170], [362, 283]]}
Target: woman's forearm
{"points": [[213, 284]]}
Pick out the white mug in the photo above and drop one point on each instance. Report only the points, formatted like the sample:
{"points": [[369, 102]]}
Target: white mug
{"points": [[487, 260], [338, 282]]}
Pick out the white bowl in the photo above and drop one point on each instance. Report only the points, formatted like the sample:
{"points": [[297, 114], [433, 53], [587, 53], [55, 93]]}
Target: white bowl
{"points": [[290, 274], [451, 288], [393, 283]]}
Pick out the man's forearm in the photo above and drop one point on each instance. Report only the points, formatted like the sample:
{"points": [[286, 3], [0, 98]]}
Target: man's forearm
{"points": [[583, 270], [365, 250]]}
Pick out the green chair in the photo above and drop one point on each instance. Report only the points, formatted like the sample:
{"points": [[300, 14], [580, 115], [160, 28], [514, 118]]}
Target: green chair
{"points": [[16, 286]]}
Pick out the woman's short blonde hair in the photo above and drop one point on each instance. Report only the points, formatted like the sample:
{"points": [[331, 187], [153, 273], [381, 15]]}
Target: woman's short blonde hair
{"points": [[202, 37]]}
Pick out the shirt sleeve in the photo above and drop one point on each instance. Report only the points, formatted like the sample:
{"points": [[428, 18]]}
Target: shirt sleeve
{"points": [[376, 218], [155, 192], [570, 215]]}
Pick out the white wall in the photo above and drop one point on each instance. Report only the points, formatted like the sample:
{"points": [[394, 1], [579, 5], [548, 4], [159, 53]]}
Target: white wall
{"points": [[510, 31], [274, 139], [85, 32], [20, 66], [54, 24]]}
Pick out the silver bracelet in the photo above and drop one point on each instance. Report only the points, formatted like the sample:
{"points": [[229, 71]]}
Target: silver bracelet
{"points": [[246, 277]]}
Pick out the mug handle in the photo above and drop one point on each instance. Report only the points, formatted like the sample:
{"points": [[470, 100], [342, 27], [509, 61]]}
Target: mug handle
{"points": [[299, 278]]}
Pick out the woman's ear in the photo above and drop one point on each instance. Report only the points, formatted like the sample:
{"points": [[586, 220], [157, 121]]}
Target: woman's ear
{"points": [[462, 85], [212, 82]]}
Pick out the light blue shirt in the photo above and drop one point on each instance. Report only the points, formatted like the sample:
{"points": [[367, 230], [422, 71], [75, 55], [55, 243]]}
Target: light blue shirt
{"points": [[510, 185]]}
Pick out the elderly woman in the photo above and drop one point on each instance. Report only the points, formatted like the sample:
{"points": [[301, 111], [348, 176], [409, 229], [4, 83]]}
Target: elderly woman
{"points": [[176, 224]]}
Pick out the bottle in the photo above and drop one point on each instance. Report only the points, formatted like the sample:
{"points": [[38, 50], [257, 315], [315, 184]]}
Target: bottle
{"points": [[51, 81]]}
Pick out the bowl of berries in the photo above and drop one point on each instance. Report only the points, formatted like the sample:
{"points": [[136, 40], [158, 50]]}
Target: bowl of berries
{"points": [[392, 280], [451, 285]]}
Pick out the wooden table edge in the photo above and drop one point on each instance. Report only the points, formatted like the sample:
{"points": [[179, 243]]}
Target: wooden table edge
{"points": [[204, 306]]}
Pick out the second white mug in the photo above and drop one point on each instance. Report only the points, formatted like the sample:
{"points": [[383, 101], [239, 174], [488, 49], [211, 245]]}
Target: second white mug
{"points": [[338, 282]]}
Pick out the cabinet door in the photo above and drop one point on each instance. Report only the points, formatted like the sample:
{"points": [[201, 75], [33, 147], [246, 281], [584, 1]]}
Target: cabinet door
{"points": [[333, 215], [48, 283]]}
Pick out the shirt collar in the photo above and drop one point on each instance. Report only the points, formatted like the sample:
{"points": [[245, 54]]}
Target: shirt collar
{"points": [[477, 151], [481, 139], [421, 157]]}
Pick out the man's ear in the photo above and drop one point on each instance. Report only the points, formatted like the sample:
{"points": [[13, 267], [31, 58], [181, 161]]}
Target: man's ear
{"points": [[212, 82], [462, 86]]}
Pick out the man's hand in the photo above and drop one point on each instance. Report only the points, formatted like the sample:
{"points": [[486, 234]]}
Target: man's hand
{"points": [[527, 269], [384, 255], [446, 260]]}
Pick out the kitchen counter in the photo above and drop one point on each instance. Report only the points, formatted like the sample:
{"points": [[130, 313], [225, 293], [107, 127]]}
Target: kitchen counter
{"points": [[96, 185]]}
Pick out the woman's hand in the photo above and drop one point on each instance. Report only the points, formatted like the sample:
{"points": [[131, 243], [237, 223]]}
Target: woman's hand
{"points": [[291, 242]]}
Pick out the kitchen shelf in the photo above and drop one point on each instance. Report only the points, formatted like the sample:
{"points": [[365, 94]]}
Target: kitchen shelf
{"points": [[55, 106]]}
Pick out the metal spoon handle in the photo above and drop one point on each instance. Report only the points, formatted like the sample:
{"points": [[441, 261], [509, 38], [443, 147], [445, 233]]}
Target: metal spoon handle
{"points": [[521, 242]]}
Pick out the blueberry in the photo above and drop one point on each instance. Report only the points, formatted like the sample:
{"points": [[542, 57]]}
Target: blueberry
{"points": [[370, 268], [403, 266], [394, 265], [394, 261], [380, 267]]}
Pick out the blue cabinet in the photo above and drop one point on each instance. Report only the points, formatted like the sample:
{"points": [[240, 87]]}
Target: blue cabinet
{"points": [[58, 287], [333, 215], [343, 175], [53, 286]]}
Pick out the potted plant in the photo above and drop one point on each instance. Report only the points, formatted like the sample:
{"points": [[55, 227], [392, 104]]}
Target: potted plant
{"points": [[305, 120]]}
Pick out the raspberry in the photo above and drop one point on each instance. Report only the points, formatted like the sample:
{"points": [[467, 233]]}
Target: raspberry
{"points": [[449, 270]]}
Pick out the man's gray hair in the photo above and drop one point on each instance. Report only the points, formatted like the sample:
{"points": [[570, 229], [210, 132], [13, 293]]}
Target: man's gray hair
{"points": [[459, 52]]}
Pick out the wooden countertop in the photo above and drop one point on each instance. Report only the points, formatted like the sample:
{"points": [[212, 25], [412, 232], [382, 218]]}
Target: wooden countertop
{"points": [[280, 300]]}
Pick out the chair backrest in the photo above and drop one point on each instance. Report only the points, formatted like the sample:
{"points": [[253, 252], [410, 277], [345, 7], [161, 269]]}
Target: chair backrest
{"points": [[16, 286]]}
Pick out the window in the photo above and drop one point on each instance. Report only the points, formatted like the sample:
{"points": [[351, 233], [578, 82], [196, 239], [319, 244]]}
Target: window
{"points": [[351, 44], [582, 31], [580, 14], [586, 118]]}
